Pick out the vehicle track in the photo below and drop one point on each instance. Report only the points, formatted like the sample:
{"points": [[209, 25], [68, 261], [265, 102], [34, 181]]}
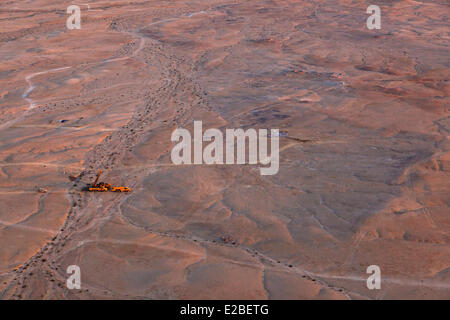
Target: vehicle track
{"points": [[110, 151]]}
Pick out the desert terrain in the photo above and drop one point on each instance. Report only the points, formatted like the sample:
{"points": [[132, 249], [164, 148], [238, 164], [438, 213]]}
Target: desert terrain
{"points": [[364, 175]]}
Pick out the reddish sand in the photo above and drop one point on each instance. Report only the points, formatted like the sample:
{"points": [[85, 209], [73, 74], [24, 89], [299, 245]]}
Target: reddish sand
{"points": [[364, 169]]}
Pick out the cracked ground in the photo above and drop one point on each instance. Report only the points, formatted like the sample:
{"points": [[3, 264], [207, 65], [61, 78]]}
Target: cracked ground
{"points": [[364, 159]]}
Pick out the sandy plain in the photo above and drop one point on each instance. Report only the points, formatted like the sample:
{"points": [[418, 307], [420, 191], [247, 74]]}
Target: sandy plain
{"points": [[364, 166]]}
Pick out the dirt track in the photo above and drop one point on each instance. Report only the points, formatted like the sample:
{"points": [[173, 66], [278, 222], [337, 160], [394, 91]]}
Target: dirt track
{"points": [[363, 175]]}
